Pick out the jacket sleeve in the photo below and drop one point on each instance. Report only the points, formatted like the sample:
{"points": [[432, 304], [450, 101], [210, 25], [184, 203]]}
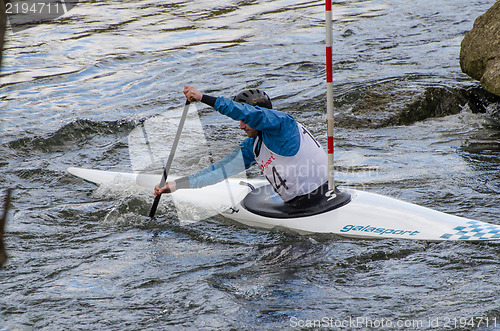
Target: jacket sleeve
{"points": [[239, 160], [279, 130], [263, 119]]}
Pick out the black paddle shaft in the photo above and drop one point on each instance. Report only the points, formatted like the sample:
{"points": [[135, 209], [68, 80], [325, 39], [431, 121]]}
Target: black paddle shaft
{"points": [[170, 159]]}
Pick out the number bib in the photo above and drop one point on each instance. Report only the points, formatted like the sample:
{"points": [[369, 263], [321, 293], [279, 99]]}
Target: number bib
{"points": [[296, 175]]}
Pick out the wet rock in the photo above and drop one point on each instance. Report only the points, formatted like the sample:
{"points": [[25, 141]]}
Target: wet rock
{"points": [[435, 102], [391, 104], [493, 112], [483, 102], [480, 50]]}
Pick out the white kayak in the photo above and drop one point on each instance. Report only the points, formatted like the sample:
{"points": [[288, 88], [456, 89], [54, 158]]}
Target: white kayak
{"points": [[359, 215]]}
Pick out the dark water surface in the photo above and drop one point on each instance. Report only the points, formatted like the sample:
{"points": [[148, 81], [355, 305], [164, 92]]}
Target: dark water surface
{"points": [[72, 90]]}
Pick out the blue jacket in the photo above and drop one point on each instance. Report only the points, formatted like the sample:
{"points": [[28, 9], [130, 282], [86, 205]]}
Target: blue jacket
{"points": [[279, 133]]}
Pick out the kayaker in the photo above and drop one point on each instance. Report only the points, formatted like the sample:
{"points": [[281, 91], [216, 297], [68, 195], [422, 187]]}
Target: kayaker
{"points": [[291, 159]]}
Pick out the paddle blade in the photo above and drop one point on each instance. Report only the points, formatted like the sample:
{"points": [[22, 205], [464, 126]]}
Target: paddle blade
{"points": [[154, 206]]}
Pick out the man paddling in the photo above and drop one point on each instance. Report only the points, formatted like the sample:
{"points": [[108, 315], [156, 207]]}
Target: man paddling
{"points": [[291, 159]]}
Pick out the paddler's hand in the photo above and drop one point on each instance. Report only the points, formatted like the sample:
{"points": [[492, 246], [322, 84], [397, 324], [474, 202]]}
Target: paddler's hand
{"points": [[169, 187], [192, 94]]}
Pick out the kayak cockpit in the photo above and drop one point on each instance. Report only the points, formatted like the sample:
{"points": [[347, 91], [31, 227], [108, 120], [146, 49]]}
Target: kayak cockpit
{"points": [[266, 202]]}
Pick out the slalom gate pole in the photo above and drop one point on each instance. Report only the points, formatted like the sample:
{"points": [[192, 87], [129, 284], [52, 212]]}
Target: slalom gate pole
{"points": [[329, 93]]}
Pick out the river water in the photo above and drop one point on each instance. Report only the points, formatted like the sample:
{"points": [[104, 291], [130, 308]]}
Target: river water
{"points": [[83, 257]]}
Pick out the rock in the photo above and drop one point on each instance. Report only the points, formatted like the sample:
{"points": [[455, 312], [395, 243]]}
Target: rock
{"points": [[493, 111], [480, 50], [392, 104], [479, 100], [437, 101]]}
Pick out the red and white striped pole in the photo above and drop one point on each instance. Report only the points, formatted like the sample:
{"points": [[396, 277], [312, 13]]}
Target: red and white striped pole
{"points": [[329, 92]]}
